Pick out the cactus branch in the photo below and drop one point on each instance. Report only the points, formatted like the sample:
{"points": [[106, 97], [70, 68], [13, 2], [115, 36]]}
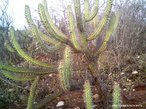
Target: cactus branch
{"points": [[49, 25], [28, 16], [27, 70], [31, 98], [19, 76], [72, 28], [94, 13], [8, 47], [22, 53], [88, 95], [43, 46], [65, 69], [78, 15], [113, 23], [32, 24], [116, 96], [102, 22]]}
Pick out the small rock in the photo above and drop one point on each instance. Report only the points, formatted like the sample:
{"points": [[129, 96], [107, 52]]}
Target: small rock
{"points": [[133, 90], [11, 90], [50, 75], [122, 73], [138, 57], [135, 72], [60, 104], [124, 89], [95, 96]]}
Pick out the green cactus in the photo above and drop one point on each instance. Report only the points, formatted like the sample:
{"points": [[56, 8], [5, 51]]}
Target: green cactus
{"points": [[94, 13], [102, 22], [113, 23], [74, 39], [116, 96], [8, 47], [22, 53], [88, 95], [65, 69], [19, 76], [31, 98], [26, 70], [79, 41]]}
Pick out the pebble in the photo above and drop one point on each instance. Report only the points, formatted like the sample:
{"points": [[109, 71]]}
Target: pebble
{"points": [[122, 73], [95, 96], [135, 72], [50, 75], [60, 104]]}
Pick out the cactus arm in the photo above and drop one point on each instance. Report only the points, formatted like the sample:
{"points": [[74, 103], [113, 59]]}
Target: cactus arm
{"points": [[78, 15], [57, 31], [94, 13], [45, 21], [80, 22], [65, 69], [49, 25], [47, 49], [31, 23], [55, 45], [112, 27], [31, 98], [27, 70], [103, 21], [88, 95], [18, 76], [28, 16], [8, 47], [94, 22], [22, 53], [72, 28], [86, 9], [116, 96], [48, 39]]}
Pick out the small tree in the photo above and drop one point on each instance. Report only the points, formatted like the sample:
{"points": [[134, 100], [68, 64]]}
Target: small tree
{"points": [[79, 41]]}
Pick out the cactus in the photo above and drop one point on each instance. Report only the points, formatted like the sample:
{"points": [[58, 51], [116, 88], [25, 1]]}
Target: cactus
{"points": [[19, 76], [31, 98], [94, 13], [22, 53], [116, 96], [88, 95], [102, 22], [8, 47], [79, 40], [65, 69]]}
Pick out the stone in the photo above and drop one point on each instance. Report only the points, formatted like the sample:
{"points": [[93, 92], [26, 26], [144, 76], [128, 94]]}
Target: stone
{"points": [[60, 104], [135, 72]]}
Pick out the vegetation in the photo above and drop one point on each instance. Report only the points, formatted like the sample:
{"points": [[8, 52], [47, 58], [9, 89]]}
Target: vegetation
{"points": [[79, 39]]}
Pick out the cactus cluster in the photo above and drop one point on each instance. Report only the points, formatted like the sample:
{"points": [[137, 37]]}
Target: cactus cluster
{"points": [[57, 40]]}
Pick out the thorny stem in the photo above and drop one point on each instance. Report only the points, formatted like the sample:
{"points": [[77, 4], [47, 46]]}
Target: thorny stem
{"points": [[92, 66]]}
